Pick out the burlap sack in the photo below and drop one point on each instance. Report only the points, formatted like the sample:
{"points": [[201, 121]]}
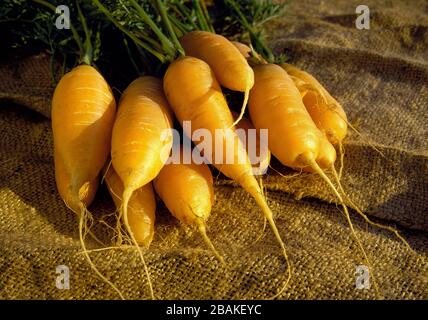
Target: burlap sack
{"points": [[380, 75]]}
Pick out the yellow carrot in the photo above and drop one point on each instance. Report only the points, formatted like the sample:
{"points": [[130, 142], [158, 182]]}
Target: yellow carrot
{"points": [[63, 182], [276, 104], [188, 193], [231, 69], [142, 207], [325, 111], [140, 143], [195, 95], [261, 165], [243, 49], [331, 119], [83, 110]]}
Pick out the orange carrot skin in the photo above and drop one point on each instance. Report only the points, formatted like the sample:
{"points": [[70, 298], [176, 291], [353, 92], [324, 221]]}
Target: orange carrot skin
{"points": [[326, 156], [275, 104], [187, 191], [138, 151], [230, 67], [246, 125], [243, 49], [142, 207], [195, 95], [328, 121], [63, 182], [328, 115], [83, 110]]}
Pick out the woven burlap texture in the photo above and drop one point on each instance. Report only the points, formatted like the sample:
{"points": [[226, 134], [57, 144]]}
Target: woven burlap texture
{"points": [[380, 76]]}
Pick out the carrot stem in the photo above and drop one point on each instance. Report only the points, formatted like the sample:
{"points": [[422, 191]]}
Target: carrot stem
{"points": [[88, 51], [259, 45], [166, 43], [73, 30], [207, 16], [169, 27], [161, 57]]}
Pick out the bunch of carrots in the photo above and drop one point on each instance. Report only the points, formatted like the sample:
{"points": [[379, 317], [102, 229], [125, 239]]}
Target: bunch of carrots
{"points": [[124, 142]]}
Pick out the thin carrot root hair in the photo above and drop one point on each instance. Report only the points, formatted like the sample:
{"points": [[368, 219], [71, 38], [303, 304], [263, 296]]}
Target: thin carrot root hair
{"points": [[361, 135], [310, 161], [115, 230], [83, 216], [107, 249], [119, 233], [244, 105], [93, 236], [365, 217], [127, 193], [88, 227], [260, 236], [106, 171], [341, 162], [203, 231], [294, 175], [109, 227], [364, 138]]}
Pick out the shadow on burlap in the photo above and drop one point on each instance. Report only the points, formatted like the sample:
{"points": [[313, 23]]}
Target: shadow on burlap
{"points": [[379, 75]]}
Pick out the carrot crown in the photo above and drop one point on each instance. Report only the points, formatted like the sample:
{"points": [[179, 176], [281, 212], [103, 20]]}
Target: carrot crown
{"points": [[155, 26]]}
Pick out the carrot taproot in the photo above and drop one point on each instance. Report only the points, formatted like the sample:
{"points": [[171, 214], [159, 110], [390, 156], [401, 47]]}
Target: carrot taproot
{"points": [[83, 110], [63, 182], [325, 111], [86, 193], [142, 207], [141, 142], [230, 67], [195, 95], [257, 149], [275, 104], [326, 155], [188, 192]]}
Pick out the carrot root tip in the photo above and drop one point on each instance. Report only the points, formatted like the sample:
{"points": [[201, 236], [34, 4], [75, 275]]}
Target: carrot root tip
{"points": [[127, 193], [203, 231], [244, 106]]}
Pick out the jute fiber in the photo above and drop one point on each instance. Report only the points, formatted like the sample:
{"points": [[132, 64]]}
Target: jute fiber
{"points": [[381, 78]]}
